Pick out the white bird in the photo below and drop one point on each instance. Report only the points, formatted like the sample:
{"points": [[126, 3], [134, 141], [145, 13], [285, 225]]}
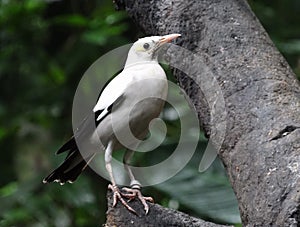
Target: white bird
{"points": [[132, 99]]}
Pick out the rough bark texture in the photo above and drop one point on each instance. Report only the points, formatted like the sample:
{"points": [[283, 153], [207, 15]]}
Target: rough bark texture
{"points": [[157, 216], [261, 149]]}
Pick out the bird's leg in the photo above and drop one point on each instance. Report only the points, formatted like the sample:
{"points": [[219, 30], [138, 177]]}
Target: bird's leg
{"points": [[135, 187], [117, 195]]}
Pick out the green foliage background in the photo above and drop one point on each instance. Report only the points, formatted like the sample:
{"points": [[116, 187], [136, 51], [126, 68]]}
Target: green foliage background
{"points": [[46, 46]]}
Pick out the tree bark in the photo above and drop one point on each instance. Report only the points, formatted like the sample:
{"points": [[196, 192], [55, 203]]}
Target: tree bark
{"points": [[261, 148]]}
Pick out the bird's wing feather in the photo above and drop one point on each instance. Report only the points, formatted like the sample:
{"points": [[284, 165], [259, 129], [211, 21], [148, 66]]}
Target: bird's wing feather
{"points": [[110, 96], [113, 91]]}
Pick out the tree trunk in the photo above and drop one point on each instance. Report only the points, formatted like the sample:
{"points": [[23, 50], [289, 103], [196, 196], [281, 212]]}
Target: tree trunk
{"points": [[261, 147]]}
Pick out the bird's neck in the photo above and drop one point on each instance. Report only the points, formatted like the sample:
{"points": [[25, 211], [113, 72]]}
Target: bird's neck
{"points": [[135, 63], [134, 59]]}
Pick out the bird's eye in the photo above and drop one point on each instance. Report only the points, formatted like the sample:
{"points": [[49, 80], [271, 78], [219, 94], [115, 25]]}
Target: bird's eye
{"points": [[146, 46]]}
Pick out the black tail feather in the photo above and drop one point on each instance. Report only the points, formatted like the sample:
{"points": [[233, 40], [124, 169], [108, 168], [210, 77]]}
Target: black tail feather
{"points": [[74, 163], [69, 170], [69, 145], [71, 167]]}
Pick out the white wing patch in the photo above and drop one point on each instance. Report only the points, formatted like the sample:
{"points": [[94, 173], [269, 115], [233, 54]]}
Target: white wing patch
{"points": [[103, 113], [114, 90]]}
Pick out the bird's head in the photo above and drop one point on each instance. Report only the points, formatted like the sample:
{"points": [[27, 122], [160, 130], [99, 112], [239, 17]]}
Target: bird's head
{"points": [[145, 49]]}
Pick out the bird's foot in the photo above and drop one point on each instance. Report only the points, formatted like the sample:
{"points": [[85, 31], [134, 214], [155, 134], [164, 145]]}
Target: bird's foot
{"points": [[135, 192], [117, 195]]}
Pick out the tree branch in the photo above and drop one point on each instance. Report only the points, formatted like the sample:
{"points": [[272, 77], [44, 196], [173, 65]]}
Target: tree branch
{"points": [[261, 148], [157, 216]]}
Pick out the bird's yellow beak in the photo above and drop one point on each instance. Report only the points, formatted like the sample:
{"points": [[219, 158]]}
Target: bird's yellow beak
{"points": [[168, 38]]}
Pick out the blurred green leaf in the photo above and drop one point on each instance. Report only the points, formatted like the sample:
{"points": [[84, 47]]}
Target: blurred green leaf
{"points": [[33, 5], [102, 36], [72, 20], [8, 189], [17, 215], [57, 73]]}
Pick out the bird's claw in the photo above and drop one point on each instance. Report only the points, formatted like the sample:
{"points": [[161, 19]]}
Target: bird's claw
{"points": [[117, 195], [132, 193]]}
